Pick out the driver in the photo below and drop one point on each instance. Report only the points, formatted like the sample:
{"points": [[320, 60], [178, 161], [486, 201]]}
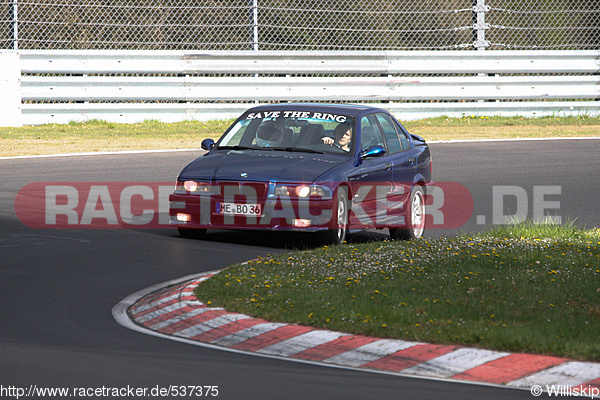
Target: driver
{"points": [[342, 137], [268, 134]]}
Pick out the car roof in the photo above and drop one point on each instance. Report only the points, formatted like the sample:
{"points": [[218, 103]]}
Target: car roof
{"points": [[344, 109]]}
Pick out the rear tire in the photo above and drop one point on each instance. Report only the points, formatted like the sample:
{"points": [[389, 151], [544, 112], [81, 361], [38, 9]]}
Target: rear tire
{"points": [[415, 217]]}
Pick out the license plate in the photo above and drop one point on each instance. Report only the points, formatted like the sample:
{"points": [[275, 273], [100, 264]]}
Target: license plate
{"points": [[238, 209]]}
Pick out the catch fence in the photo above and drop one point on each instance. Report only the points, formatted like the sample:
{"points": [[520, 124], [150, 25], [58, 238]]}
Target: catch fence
{"points": [[300, 25]]}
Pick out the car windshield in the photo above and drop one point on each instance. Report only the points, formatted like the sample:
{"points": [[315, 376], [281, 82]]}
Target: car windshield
{"points": [[298, 131]]}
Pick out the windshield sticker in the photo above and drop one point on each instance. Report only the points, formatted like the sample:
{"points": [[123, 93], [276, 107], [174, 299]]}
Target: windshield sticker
{"points": [[298, 114]]}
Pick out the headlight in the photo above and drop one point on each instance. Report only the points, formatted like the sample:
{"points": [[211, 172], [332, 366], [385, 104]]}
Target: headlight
{"points": [[282, 190], [190, 186], [302, 191], [195, 187]]}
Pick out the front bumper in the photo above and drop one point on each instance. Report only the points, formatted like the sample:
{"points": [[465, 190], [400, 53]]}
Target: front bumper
{"points": [[280, 213]]}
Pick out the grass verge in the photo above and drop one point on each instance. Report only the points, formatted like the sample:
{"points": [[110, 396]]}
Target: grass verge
{"points": [[97, 136], [522, 288], [471, 127]]}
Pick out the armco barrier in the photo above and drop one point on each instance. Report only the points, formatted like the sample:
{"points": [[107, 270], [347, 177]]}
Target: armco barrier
{"points": [[130, 86]]}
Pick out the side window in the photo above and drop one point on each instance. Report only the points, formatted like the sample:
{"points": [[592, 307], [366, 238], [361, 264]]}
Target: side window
{"points": [[391, 135], [370, 133], [403, 137]]}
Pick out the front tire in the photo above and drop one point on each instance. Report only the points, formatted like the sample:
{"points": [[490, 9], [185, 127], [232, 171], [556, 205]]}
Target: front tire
{"points": [[415, 217], [340, 212]]}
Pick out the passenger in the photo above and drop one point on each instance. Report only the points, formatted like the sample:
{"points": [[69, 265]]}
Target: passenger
{"points": [[342, 137]]}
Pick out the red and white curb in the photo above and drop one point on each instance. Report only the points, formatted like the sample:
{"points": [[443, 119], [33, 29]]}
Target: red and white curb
{"points": [[174, 312]]}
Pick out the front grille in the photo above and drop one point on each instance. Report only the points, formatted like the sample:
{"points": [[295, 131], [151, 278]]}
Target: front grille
{"points": [[259, 189]]}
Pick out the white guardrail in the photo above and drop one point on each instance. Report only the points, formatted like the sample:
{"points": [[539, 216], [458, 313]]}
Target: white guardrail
{"points": [[131, 86]]}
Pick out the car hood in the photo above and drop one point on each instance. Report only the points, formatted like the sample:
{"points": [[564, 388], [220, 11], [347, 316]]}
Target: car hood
{"points": [[279, 166]]}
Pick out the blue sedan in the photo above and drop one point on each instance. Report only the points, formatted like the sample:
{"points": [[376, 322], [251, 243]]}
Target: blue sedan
{"points": [[324, 168]]}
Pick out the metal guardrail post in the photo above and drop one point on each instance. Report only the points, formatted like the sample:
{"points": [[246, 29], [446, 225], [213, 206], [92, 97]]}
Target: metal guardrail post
{"points": [[254, 25], [479, 24], [14, 23]]}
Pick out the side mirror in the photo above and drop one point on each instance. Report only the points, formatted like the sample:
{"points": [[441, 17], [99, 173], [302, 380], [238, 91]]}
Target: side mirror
{"points": [[207, 144], [373, 151], [417, 138]]}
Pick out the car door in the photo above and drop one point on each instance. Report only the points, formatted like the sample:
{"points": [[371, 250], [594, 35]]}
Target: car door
{"points": [[371, 183], [404, 164]]}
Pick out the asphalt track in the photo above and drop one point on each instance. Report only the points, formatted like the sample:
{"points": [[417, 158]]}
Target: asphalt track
{"points": [[58, 286]]}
